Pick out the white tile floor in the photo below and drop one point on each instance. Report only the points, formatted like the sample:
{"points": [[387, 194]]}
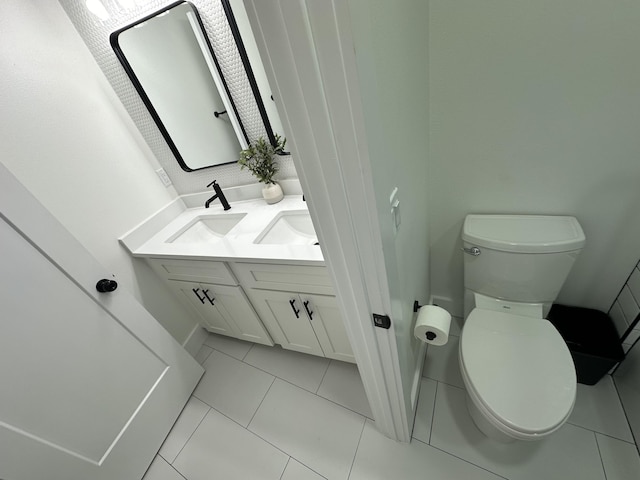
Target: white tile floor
{"points": [[268, 413]]}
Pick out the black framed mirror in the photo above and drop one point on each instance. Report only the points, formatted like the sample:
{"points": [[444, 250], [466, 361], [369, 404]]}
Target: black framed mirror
{"points": [[172, 64], [248, 50]]}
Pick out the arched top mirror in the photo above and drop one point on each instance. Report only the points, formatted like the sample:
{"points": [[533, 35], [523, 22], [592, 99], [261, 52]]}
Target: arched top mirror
{"points": [[176, 71]]}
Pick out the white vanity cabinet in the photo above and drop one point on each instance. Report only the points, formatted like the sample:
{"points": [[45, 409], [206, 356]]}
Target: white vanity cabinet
{"points": [[211, 290], [203, 300], [297, 305]]}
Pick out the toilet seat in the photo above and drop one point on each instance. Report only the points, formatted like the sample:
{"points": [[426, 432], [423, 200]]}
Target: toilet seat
{"points": [[518, 372]]}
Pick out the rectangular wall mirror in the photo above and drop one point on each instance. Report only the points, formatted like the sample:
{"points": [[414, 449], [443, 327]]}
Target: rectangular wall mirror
{"points": [[174, 68]]}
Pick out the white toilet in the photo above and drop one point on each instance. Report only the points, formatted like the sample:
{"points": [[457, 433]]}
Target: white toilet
{"points": [[517, 370]]}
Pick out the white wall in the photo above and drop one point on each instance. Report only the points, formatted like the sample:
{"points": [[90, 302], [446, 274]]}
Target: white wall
{"points": [[67, 138], [534, 108], [390, 39]]}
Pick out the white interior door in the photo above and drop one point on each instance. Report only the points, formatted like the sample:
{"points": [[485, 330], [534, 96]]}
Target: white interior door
{"points": [[90, 383]]}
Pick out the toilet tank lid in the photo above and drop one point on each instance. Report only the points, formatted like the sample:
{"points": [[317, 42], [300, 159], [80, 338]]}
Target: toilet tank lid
{"points": [[524, 233]]}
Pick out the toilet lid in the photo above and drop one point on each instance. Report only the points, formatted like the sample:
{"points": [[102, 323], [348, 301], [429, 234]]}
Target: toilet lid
{"points": [[520, 368]]}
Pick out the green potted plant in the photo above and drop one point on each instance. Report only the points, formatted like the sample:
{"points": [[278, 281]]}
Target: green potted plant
{"points": [[259, 159]]}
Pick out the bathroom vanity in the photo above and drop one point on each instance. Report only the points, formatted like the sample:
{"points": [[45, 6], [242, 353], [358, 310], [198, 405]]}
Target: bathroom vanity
{"points": [[254, 272]]}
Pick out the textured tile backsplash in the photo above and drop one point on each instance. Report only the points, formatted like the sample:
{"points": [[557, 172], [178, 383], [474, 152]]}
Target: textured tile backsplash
{"points": [[626, 308], [95, 34]]}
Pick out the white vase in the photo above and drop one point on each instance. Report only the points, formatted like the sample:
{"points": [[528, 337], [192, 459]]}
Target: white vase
{"points": [[272, 193]]}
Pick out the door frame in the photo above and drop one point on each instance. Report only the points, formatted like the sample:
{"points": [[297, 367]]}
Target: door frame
{"points": [[309, 57]]}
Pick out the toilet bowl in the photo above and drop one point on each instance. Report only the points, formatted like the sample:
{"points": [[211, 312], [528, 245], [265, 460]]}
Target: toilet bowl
{"points": [[518, 373], [517, 369]]}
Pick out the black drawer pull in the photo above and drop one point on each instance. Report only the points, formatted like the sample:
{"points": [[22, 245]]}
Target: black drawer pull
{"points": [[292, 302], [195, 291], [309, 312], [211, 300]]}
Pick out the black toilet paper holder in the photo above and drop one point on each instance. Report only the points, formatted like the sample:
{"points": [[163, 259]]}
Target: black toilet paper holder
{"points": [[429, 335]]}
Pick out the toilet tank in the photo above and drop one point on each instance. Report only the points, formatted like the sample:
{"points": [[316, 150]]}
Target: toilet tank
{"points": [[522, 258]]}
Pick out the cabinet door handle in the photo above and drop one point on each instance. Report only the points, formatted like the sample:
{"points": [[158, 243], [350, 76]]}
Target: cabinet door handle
{"points": [[211, 300], [292, 302], [309, 312], [195, 291]]}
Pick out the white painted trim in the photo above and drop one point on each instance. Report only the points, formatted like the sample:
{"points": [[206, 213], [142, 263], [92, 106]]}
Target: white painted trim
{"points": [[195, 340], [308, 54]]}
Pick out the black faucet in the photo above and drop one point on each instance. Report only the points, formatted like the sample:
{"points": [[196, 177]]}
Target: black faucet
{"points": [[219, 195]]}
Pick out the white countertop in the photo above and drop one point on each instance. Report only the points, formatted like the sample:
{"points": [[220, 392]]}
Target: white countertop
{"points": [[150, 239]]}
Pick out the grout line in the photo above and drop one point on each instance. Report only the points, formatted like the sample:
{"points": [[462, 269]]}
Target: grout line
{"points": [[342, 406], [600, 453], [192, 433], [212, 407], [462, 459], [624, 410], [275, 446], [284, 379], [323, 375], [433, 412], [311, 469], [298, 386], [289, 382], [450, 385], [177, 471], [272, 444], [355, 454], [323, 398], [228, 355], [261, 401], [415, 416], [248, 351], [599, 433], [250, 431], [285, 468], [208, 354], [446, 383]]}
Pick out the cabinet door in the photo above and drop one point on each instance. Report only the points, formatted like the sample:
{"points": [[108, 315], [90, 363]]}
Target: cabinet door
{"points": [[284, 316], [328, 326], [232, 303], [213, 319]]}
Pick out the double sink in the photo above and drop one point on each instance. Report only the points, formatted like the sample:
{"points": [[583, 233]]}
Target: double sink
{"points": [[291, 227], [250, 231]]}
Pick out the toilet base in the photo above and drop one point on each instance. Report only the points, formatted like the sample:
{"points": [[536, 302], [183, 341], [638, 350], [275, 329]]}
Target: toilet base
{"points": [[484, 425]]}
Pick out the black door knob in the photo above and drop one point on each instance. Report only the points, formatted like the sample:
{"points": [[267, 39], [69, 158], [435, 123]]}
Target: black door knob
{"points": [[105, 285]]}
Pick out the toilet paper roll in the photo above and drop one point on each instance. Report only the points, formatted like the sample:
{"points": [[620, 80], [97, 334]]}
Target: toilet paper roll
{"points": [[432, 325]]}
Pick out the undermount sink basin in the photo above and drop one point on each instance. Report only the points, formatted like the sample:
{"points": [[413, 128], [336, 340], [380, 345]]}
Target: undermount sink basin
{"points": [[206, 228], [289, 228]]}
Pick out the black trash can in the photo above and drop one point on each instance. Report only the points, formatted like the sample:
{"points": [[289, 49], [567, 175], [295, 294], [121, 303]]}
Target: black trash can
{"points": [[592, 339]]}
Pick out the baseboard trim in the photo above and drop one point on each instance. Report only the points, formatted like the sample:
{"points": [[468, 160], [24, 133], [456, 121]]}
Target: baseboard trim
{"points": [[448, 304], [195, 340]]}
